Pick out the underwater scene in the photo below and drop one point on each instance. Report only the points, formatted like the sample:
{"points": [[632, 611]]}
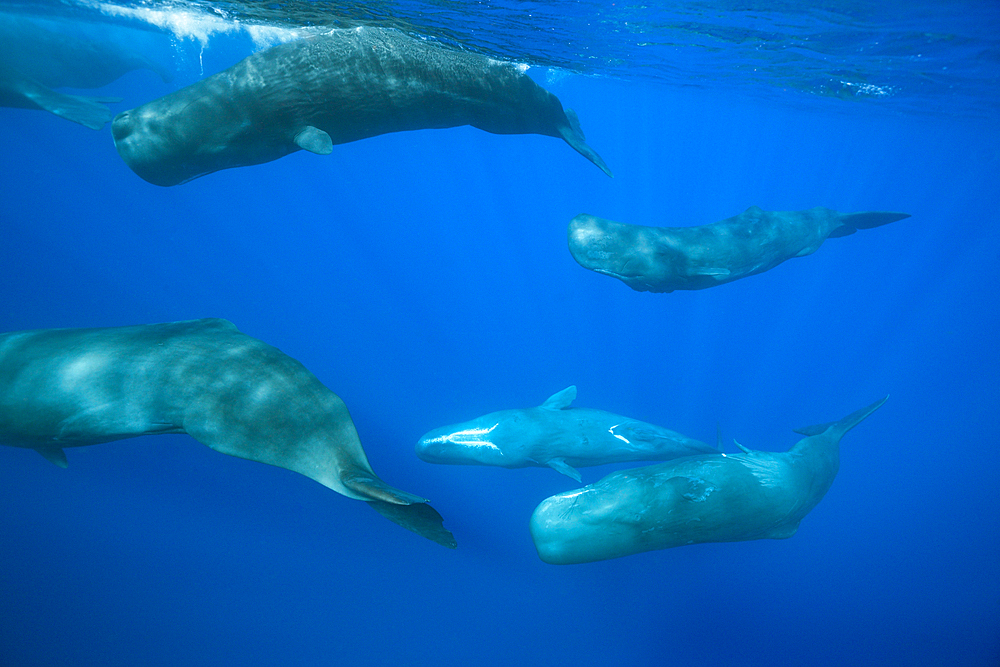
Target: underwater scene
{"points": [[653, 334]]}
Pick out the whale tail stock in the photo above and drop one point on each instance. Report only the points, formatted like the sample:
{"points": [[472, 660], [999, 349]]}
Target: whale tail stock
{"points": [[406, 509], [837, 429], [573, 135], [852, 222]]}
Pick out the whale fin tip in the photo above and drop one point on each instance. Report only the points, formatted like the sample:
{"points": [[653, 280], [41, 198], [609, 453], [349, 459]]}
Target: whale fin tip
{"points": [[560, 465]]}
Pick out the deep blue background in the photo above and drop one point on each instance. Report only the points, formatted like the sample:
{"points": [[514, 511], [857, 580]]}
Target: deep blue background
{"points": [[424, 277]]}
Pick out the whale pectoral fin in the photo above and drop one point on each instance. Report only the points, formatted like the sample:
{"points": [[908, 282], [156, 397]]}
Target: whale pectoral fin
{"points": [[314, 140], [560, 400], [54, 455], [573, 135], [421, 518], [560, 465]]}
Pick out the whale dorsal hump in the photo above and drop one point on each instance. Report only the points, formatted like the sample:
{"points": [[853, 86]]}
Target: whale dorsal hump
{"points": [[314, 140], [560, 400], [560, 465], [54, 455]]}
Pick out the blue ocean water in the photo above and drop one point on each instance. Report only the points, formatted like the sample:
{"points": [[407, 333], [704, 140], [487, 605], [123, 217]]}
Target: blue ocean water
{"points": [[424, 278]]}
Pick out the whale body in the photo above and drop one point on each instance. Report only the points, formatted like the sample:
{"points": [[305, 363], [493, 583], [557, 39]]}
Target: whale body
{"points": [[332, 89], [707, 498], [664, 259], [238, 395], [34, 60], [555, 435]]}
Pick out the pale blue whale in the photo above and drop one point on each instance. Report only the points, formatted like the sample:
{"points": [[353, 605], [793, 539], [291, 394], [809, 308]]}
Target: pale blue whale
{"points": [[706, 498], [555, 435], [238, 395]]}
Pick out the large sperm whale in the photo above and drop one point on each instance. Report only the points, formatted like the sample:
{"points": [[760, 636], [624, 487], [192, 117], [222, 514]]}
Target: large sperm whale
{"points": [[238, 395], [554, 434], [332, 89], [664, 259], [707, 498]]}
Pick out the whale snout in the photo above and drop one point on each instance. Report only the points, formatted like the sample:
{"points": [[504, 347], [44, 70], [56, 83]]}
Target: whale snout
{"points": [[429, 449]]}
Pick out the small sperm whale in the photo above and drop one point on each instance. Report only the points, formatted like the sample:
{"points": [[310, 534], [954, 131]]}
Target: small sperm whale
{"points": [[664, 259], [335, 88], [556, 435]]}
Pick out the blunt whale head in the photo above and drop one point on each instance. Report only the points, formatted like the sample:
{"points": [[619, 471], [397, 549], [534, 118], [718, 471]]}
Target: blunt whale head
{"points": [[641, 257], [191, 132], [469, 443]]}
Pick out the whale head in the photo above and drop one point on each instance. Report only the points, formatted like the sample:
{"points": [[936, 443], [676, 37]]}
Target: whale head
{"points": [[470, 443], [641, 257], [597, 522], [192, 132]]}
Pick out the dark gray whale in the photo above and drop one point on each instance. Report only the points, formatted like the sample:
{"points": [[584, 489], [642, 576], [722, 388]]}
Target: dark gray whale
{"points": [[332, 89], [75, 387], [664, 259], [707, 498]]}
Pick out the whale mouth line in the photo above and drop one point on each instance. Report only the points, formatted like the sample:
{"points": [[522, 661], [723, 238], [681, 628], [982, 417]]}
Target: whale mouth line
{"points": [[619, 276]]}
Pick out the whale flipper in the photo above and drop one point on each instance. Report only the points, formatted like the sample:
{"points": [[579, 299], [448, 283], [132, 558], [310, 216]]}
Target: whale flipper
{"points": [[421, 518], [54, 455], [573, 135], [560, 465], [314, 140]]}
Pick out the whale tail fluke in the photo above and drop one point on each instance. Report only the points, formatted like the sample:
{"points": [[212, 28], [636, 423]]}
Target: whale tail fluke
{"points": [[406, 509], [852, 222], [420, 517], [573, 136], [837, 429], [87, 111]]}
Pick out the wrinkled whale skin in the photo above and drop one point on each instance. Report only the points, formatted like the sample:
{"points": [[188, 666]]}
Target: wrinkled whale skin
{"points": [[238, 395], [707, 498], [664, 259], [331, 89]]}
